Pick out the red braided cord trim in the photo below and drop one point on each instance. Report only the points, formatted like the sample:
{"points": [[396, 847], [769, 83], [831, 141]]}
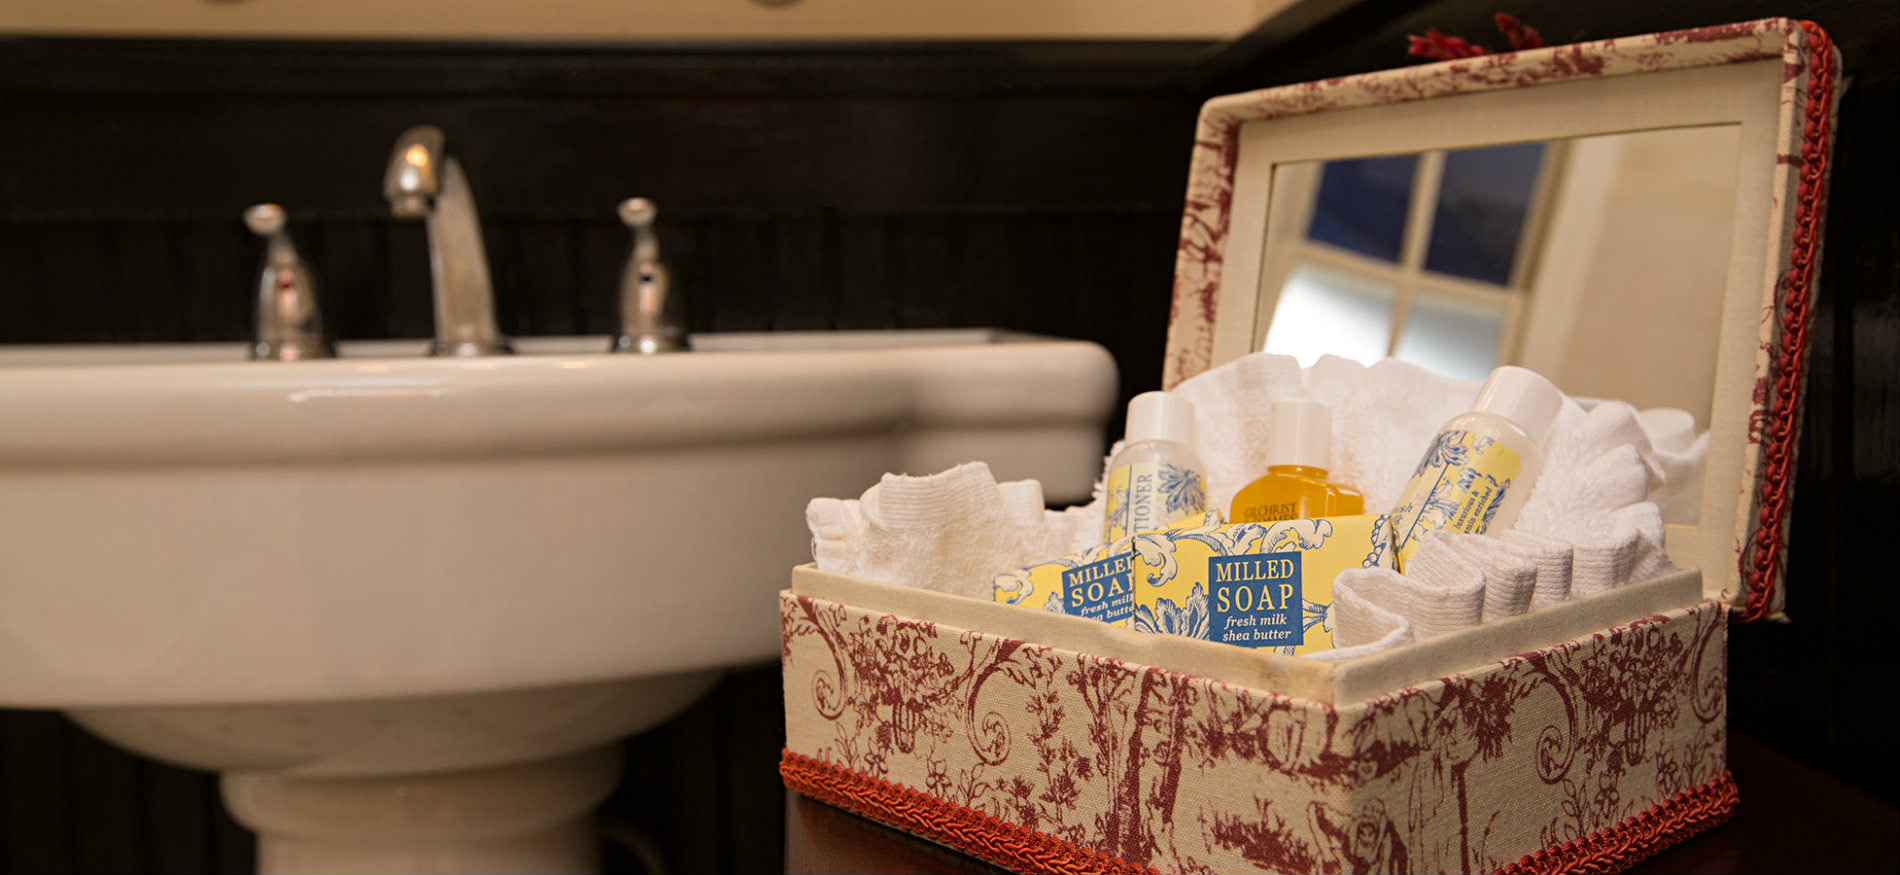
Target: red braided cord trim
{"points": [[972, 832], [1790, 349], [1651, 832]]}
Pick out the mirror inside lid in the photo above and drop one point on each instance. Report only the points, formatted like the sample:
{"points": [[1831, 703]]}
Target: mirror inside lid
{"points": [[1638, 219]]}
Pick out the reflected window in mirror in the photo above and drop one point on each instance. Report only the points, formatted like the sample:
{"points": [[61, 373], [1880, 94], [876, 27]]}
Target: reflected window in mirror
{"points": [[1599, 261], [1430, 250], [1484, 199], [1361, 205], [1355, 311]]}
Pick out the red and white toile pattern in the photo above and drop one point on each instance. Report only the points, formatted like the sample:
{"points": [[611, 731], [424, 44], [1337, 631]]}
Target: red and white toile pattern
{"points": [[1799, 193], [1051, 759]]}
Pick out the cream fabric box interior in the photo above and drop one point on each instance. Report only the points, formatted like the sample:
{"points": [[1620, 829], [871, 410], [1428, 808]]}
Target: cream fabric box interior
{"points": [[1584, 736]]}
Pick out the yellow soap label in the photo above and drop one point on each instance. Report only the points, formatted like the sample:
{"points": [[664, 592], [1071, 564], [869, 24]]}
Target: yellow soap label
{"points": [[1457, 487], [1145, 496], [1258, 585], [1096, 583], [1039, 586]]}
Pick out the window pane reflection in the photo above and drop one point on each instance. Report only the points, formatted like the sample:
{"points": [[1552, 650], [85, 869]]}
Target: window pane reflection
{"points": [[1483, 199], [1451, 336], [1323, 310], [1361, 205]]}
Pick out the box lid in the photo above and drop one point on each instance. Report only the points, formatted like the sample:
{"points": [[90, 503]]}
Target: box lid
{"points": [[1775, 79]]}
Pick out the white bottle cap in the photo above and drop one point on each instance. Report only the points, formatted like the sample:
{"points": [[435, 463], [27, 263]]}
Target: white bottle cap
{"points": [[1160, 416], [1300, 432], [1523, 396]]}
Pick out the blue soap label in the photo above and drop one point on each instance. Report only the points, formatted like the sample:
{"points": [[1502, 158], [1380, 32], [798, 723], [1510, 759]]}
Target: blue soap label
{"points": [[1255, 600], [1101, 590]]}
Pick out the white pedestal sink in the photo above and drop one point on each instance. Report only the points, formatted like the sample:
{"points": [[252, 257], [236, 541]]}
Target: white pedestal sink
{"points": [[407, 606]]}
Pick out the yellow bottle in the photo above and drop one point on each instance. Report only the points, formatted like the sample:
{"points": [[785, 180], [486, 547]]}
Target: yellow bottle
{"points": [[1299, 437]]}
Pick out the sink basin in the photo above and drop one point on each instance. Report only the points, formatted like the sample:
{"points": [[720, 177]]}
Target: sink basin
{"points": [[407, 605]]}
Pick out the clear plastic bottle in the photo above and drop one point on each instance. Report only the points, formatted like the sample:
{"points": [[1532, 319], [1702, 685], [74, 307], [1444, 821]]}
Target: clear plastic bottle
{"points": [[1156, 478], [1480, 469], [1299, 450]]}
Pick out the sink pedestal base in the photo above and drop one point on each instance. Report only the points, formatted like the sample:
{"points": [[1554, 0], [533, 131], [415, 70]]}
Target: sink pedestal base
{"points": [[524, 817]]}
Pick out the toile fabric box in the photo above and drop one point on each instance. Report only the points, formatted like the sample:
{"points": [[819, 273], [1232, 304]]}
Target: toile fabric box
{"points": [[1585, 736], [1052, 743]]}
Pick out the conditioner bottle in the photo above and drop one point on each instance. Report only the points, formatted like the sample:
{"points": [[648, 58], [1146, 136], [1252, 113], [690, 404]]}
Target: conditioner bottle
{"points": [[1156, 478]]}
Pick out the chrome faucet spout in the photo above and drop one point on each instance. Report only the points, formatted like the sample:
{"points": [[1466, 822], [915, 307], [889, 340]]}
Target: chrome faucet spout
{"points": [[423, 182]]}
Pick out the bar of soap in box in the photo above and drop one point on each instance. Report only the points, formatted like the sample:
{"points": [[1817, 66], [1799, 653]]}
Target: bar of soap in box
{"points": [[1256, 585], [1097, 583]]}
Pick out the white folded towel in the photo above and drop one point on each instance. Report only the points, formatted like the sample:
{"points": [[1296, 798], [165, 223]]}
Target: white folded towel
{"points": [[1384, 416], [1646, 518], [1231, 407], [1680, 494], [1681, 454], [1593, 462], [1385, 421]]}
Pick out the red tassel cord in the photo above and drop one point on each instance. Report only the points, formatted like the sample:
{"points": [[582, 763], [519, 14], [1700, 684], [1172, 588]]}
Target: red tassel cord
{"points": [[1440, 47]]}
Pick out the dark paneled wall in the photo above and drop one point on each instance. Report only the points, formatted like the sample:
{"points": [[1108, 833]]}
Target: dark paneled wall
{"points": [[70, 802], [808, 189], [1033, 187]]}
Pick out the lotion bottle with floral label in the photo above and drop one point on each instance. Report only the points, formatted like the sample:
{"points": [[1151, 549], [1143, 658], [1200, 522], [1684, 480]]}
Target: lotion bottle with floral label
{"points": [[1479, 470], [1299, 449], [1156, 479]]}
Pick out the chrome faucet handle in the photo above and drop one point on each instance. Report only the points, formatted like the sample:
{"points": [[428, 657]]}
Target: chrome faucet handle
{"points": [[650, 320], [289, 324]]}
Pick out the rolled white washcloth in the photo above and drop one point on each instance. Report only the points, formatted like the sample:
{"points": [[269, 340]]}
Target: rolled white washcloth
{"points": [[1552, 558], [1510, 577], [1439, 593], [1361, 627], [1613, 549], [1603, 563], [1430, 610], [948, 532]]}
